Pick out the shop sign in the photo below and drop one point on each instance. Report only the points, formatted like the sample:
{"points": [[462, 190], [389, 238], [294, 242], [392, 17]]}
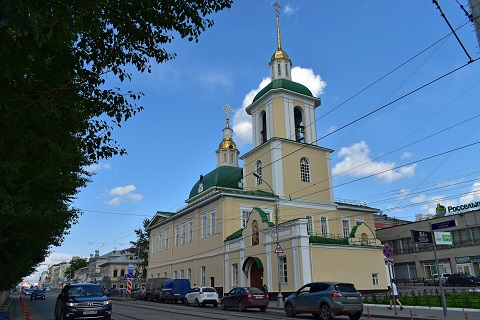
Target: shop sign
{"points": [[443, 238], [463, 260], [422, 237], [463, 207]]}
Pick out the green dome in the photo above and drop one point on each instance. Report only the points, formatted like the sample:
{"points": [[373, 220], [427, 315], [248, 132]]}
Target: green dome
{"points": [[284, 84], [223, 176]]}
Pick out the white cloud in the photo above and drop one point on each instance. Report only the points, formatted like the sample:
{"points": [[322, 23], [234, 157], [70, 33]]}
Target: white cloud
{"points": [[406, 155], [122, 194], [473, 195], [98, 166], [403, 193], [289, 10], [242, 122], [357, 163]]}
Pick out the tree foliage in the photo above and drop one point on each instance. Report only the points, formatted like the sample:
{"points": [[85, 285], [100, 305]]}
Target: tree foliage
{"points": [[57, 113], [142, 248], [74, 266]]}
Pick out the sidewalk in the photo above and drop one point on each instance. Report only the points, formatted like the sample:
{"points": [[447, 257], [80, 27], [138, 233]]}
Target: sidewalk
{"points": [[411, 312]]}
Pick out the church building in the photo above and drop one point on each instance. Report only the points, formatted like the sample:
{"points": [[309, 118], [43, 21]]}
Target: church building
{"points": [[273, 220]]}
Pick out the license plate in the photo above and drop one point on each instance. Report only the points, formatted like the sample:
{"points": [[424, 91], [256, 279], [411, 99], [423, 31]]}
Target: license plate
{"points": [[258, 297], [89, 312], [351, 298]]}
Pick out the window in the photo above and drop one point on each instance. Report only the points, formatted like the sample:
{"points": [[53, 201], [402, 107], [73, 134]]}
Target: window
{"points": [[213, 222], [177, 235], [184, 233], [182, 274], [234, 275], [190, 231], [263, 131], [346, 227], [324, 225], [286, 69], [174, 274], [245, 215], [224, 158], [115, 273], [304, 170], [122, 272], [202, 276], [204, 225], [283, 269], [167, 238], [279, 70], [258, 180], [153, 243], [160, 240], [299, 127], [376, 281], [309, 225]]}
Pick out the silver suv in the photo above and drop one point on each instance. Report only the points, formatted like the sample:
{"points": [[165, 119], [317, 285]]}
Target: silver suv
{"points": [[325, 300], [202, 296]]}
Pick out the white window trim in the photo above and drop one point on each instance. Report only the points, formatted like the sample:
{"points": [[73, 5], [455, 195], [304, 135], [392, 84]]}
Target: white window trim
{"points": [[177, 235], [326, 225], [160, 240], [204, 225], [213, 221], [183, 233], [190, 230]]}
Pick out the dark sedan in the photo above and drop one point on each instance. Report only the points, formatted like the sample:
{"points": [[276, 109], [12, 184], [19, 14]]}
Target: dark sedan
{"points": [[462, 279], [244, 298], [325, 300], [37, 294], [83, 301]]}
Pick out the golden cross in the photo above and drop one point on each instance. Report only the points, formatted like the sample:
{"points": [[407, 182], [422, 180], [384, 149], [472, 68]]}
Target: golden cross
{"points": [[227, 108]]}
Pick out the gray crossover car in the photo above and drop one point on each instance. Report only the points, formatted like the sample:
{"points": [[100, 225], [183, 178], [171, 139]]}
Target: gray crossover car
{"points": [[325, 300]]}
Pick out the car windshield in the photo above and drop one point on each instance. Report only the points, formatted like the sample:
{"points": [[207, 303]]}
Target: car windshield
{"points": [[253, 290], [209, 290], [87, 291]]}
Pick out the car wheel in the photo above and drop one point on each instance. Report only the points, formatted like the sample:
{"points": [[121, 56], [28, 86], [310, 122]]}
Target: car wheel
{"points": [[356, 316], [215, 304], [325, 313], [186, 302], [203, 304], [224, 306], [263, 309], [290, 310], [197, 303], [241, 306]]}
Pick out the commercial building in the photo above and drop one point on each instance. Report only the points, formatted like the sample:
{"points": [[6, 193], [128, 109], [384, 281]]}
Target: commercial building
{"points": [[273, 221], [417, 260]]}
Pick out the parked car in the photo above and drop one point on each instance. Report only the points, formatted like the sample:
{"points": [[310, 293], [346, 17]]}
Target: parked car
{"points": [[202, 296], [37, 294], [28, 291], [83, 301], [434, 280], [137, 293], [153, 288], [5, 315], [244, 298], [325, 300], [174, 290], [462, 279]]}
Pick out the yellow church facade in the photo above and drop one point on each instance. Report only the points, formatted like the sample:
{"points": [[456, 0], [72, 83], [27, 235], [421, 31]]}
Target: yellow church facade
{"points": [[274, 220]]}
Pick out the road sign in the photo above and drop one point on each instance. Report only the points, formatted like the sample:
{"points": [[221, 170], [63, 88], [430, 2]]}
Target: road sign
{"points": [[444, 224], [387, 251], [389, 261], [278, 249]]}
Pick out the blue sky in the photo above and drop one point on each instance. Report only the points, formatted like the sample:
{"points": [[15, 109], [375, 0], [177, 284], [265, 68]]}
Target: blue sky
{"points": [[357, 56]]}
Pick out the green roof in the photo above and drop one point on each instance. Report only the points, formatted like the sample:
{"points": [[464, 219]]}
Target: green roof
{"points": [[264, 217], [223, 176], [284, 84]]}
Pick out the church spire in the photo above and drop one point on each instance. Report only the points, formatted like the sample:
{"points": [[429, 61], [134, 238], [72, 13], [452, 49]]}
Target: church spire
{"points": [[227, 153], [280, 64]]}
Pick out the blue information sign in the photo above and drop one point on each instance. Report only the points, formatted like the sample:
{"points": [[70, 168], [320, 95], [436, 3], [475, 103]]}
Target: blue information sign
{"points": [[444, 224]]}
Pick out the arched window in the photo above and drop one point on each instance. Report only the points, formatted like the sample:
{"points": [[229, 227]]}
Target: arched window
{"points": [[258, 169], [286, 69], [279, 70], [255, 233], [299, 127], [304, 170], [263, 129]]}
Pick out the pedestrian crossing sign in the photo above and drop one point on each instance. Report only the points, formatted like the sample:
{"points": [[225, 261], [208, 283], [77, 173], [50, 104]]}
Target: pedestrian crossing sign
{"points": [[278, 249]]}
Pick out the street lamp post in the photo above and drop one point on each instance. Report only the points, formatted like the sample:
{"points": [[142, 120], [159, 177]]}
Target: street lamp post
{"points": [[279, 295]]}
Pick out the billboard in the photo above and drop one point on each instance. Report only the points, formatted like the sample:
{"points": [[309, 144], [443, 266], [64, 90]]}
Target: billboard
{"points": [[422, 237], [443, 238]]}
